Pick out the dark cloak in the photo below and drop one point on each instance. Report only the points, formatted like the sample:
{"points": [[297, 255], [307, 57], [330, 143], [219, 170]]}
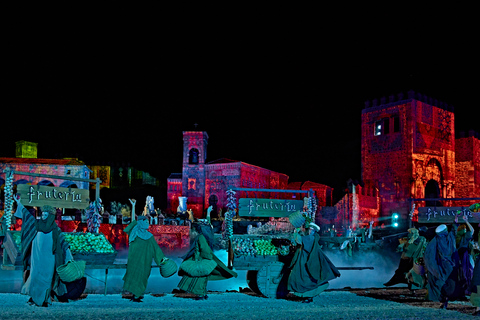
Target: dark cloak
{"points": [[441, 261], [200, 244], [310, 267], [475, 283]]}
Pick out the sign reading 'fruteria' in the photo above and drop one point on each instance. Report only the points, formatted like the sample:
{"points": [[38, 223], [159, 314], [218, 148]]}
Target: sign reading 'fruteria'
{"points": [[253, 207], [446, 215], [68, 198]]}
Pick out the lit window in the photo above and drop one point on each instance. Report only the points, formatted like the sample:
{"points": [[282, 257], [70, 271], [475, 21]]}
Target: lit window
{"points": [[378, 128]]}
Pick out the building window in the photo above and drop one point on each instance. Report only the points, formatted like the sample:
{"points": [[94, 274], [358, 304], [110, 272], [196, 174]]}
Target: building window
{"points": [[378, 127], [396, 124], [386, 126]]}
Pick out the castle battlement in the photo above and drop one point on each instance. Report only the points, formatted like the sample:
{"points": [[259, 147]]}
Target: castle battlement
{"points": [[401, 98]]}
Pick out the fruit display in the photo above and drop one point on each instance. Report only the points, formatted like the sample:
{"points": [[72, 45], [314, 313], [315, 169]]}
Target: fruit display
{"points": [[243, 247], [85, 243], [475, 207], [258, 247], [265, 247], [17, 238]]}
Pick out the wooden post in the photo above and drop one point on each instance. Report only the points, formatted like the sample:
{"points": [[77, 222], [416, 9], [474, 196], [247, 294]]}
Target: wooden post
{"points": [[133, 201], [230, 254], [97, 189], [106, 278]]}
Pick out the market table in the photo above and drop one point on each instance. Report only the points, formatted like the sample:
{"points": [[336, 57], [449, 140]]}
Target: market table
{"points": [[11, 267]]}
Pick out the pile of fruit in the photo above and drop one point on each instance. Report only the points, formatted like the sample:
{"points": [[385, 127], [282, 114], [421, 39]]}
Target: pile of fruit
{"points": [[243, 247], [17, 238], [265, 247], [257, 247], [88, 243], [475, 207]]}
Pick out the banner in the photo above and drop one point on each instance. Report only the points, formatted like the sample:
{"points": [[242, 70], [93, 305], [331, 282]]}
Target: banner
{"points": [[446, 215], [38, 196], [253, 207]]}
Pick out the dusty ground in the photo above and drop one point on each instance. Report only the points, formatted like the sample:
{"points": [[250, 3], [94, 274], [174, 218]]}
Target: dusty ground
{"points": [[414, 298], [226, 305]]}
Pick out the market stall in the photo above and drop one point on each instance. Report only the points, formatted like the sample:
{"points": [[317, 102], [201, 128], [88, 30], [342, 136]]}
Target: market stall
{"points": [[267, 250]]}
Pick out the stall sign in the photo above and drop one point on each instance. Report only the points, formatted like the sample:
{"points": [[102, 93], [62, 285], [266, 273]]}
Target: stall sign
{"points": [[68, 198], [253, 207], [445, 215]]}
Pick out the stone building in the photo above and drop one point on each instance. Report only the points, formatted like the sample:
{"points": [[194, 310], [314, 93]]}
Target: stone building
{"points": [[26, 160], [409, 150], [205, 183]]}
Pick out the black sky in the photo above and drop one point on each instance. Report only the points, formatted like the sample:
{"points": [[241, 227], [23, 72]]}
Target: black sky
{"points": [[284, 92]]}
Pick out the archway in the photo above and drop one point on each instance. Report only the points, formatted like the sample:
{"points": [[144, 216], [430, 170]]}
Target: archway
{"points": [[212, 201], [46, 183], [193, 156], [69, 184], [432, 190]]}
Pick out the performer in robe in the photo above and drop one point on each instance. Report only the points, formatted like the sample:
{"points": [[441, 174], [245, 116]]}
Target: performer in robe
{"points": [[412, 248], [475, 285], [200, 264], [44, 249], [310, 267], [142, 249], [462, 241], [442, 263]]}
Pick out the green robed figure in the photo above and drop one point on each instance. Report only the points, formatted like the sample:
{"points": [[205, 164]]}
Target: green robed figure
{"points": [[200, 264], [142, 249], [310, 268]]}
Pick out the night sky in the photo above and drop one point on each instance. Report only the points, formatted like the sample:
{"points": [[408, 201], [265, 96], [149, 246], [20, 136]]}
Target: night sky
{"points": [[280, 91]]}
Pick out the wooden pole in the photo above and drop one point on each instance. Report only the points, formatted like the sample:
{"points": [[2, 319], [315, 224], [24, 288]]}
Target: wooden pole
{"points": [[133, 201], [97, 189]]}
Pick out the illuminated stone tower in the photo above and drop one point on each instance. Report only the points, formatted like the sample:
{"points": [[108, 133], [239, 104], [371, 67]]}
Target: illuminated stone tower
{"points": [[193, 172], [408, 150]]}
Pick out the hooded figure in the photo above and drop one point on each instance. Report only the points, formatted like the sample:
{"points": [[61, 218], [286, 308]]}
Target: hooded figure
{"points": [[142, 249], [310, 267], [462, 241], [44, 249], [442, 263], [475, 285], [200, 264]]}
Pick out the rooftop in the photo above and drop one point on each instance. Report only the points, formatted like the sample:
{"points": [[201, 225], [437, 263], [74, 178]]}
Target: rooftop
{"points": [[66, 161]]}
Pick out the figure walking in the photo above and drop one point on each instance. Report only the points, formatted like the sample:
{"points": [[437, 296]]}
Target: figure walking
{"points": [[200, 264], [442, 263], [310, 267], [44, 249], [142, 249]]}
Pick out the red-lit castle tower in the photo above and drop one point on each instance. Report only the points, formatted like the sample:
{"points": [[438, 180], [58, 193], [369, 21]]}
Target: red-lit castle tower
{"points": [[408, 151]]}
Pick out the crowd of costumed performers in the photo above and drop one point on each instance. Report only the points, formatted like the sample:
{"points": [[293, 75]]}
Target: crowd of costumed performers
{"points": [[448, 265]]}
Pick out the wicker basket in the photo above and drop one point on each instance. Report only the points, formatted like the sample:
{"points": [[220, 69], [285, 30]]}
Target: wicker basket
{"points": [[71, 271], [199, 268], [297, 219], [168, 268]]}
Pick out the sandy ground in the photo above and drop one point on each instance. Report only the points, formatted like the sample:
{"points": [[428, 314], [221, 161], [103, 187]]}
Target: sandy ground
{"points": [[367, 300], [329, 305]]}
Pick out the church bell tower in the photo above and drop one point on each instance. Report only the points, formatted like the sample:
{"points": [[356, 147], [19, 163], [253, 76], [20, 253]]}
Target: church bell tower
{"points": [[193, 172]]}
